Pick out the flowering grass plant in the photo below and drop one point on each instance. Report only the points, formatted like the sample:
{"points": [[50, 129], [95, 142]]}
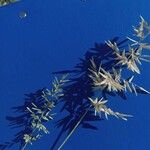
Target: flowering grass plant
{"points": [[85, 94]]}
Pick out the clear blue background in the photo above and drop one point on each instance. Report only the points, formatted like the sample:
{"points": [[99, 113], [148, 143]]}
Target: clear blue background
{"points": [[52, 37]]}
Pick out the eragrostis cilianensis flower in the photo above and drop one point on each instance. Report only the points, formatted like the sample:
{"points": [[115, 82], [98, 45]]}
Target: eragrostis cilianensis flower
{"points": [[105, 79], [112, 79], [101, 78], [100, 106], [41, 114]]}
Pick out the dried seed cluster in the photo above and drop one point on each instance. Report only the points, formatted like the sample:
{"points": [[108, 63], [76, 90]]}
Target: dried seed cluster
{"points": [[128, 59], [39, 114]]}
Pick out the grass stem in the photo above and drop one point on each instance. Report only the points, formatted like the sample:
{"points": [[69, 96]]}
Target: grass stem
{"points": [[82, 117]]}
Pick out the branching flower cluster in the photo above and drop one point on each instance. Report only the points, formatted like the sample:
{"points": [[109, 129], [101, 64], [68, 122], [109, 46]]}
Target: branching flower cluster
{"points": [[103, 79], [128, 59], [99, 74], [41, 113], [100, 106]]}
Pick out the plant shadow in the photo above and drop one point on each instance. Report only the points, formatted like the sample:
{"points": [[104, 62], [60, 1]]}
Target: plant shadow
{"points": [[75, 100], [77, 92], [22, 119]]}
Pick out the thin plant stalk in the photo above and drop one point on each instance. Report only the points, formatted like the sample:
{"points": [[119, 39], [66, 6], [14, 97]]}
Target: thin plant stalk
{"points": [[67, 138], [23, 148]]}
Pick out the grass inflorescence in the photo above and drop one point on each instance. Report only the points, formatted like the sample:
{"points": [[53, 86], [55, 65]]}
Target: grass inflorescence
{"points": [[84, 95]]}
